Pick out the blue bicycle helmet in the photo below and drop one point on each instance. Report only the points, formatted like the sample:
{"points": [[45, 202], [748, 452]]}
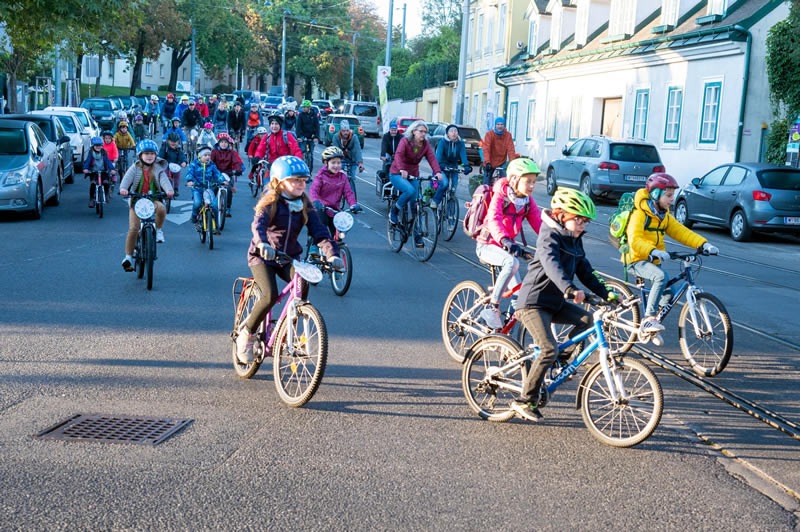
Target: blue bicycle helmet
{"points": [[289, 166], [146, 145], [97, 141]]}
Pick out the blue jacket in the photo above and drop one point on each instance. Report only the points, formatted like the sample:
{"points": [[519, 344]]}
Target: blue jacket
{"points": [[175, 156], [153, 109], [203, 175], [177, 130], [107, 164], [451, 153], [180, 109]]}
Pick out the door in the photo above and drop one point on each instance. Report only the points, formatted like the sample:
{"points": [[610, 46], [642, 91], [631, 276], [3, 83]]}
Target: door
{"points": [[435, 112], [728, 193], [701, 202], [611, 124], [570, 171]]}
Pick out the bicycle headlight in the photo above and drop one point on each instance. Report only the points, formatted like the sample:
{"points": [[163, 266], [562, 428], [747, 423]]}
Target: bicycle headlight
{"points": [[144, 209]]}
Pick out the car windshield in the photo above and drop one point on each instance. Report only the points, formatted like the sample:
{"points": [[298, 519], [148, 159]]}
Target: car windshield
{"points": [[634, 153], [82, 119], [469, 133], [780, 179], [244, 94], [365, 110], [274, 99], [99, 105], [69, 125], [12, 142]]}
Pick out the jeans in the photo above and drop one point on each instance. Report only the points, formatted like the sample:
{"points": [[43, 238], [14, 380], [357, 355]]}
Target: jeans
{"points": [[537, 322], [443, 183], [409, 190], [658, 296], [508, 263], [175, 179], [264, 276], [487, 175], [197, 201]]}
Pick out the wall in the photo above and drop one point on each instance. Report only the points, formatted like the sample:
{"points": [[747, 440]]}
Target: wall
{"points": [[397, 108], [443, 96]]}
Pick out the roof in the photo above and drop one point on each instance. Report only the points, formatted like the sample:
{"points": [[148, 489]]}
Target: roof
{"points": [[12, 124], [740, 16]]}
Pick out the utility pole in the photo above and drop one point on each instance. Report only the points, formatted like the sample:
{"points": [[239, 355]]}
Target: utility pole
{"points": [[389, 35], [57, 77], [403, 35], [194, 63], [462, 63], [283, 55], [353, 66]]}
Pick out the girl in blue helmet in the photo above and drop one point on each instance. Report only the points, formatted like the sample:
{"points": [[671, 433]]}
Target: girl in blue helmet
{"points": [[281, 213], [98, 161]]}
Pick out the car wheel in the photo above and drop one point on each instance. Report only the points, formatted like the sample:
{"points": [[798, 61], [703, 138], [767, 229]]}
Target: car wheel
{"points": [[551, 181], [38, 205], [740, 229], [586, 187], [56, 199], [682, 215]]}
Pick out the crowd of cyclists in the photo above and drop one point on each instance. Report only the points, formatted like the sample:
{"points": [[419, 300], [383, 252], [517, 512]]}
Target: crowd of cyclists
{"points": [[548, 292]]}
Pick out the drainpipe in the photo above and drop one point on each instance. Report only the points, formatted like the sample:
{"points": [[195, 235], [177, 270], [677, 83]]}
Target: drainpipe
{"points": [[740, 130], [505, 92]]}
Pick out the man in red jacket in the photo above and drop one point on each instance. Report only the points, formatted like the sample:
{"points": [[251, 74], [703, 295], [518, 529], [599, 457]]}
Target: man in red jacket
{"points": [[277, 142], [228, 162], [496, 149]]}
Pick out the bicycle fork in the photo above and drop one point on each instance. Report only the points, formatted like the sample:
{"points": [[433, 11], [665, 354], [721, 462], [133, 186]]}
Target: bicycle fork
{"points": [[691, 299]]}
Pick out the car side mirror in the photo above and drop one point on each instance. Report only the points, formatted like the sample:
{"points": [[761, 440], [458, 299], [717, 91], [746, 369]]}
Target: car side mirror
{"points": [[38, 152], [565, 150], [696, 181], [63, 139]]}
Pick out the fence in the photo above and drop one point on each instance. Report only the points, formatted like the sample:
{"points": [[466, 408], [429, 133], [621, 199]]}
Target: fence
{"points": [[429, 75]]}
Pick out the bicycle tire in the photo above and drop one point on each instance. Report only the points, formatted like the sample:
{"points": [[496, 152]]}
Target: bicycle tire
{"points": [[457, 340], [168, 204], [620, 425], [254, 186], [427, 225], [210, 228], [340, 281], [98, 202], [483, 393], [395, 235], [706, 364], [450, 221], [202, 223], [619, 340], [310, 352], [245, 371], [139, 257], [222, 207], [149, 254]]}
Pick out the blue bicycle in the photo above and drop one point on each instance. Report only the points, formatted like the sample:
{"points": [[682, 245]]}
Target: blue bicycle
{"points": [[620, 399]]}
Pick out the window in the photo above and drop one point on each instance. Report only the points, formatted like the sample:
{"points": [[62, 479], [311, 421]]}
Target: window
{"points": [[33, 141], [479, 35], [717, 7], [501, 28], [710, 112], [470, 37], [591, 148], [735, 176], [531, 119], [641, 103], [552, 118], [582, 23], [714, 177], [68, 124], [512, 118], [465, 111], [575, 149], [622, 18], [669, 12], [783, 179], [487, 45], [497, 107], [148, 68], [532, 44], [555, 29], [634, 153], [161, 71], [672, 129], [12, 141], [473, 115], [184, 74], [575, 118]]}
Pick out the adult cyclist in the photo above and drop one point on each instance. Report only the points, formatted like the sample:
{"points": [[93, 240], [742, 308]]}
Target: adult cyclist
{"points": [[307, 127], [168, 110], [153, 112], [450, 152], [349, 144], [497, 149], [237, 122]]}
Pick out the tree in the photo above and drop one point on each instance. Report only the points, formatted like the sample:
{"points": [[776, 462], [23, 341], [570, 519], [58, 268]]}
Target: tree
{"points": [[783, 74], [440, 14]]}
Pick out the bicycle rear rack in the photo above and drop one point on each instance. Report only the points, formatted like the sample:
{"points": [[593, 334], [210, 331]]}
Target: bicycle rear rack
{"points": [[239, 286]]}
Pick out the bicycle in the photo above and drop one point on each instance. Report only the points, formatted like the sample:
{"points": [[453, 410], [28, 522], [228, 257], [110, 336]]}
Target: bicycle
{"points": [[621, 400], [348, 167], [421, 222], [340, 279], [191, 143], [123, 161], [307, 145], [492, 174], [101, 190], [174, 172], [206, 221], [144, 254], [383, 187], [222, 201], [152, 125], [298, 343], [257, 183], [447, 212], [705, 332]]}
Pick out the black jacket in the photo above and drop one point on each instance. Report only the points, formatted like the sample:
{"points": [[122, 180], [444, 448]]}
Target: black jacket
{"points": [[236, 121], [559, 257], [289, 122], [191, 118], [389, 143], [175, 156], [307, 125], [168, 109]]}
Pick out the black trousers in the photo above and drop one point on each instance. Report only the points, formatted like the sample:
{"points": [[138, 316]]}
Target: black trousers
{"points": [[264, 276]]}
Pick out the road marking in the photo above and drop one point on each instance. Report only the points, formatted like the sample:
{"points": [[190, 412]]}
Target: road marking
{"points": [[185, 208]]}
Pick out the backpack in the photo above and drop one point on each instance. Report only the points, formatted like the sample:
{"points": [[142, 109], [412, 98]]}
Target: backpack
{"points": [[618, 222], [478, 207]]}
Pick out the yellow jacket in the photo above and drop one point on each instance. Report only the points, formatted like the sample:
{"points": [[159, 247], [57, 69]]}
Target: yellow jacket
{"points": [[124, 141], [646, 232]]}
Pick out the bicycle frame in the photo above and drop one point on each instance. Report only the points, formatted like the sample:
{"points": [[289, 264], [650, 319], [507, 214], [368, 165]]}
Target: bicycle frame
{"points": [[208, 198]]}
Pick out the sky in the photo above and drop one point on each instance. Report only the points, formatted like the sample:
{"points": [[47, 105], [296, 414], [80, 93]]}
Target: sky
{"points": [[413, 14]]}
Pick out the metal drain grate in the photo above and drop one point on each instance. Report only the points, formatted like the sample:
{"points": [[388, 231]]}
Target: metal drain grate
{"points": [[114, 429]]}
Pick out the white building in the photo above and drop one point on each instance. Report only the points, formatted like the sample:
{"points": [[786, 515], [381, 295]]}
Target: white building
{"points": [[687, 76]]}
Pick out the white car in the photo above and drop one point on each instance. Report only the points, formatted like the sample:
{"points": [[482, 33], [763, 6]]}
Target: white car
{"points": [[79, 136], [84, 116]]}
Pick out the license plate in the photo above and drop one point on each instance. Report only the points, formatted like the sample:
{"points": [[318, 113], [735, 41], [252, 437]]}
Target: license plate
{"points": [[792, 220], [638, 178]]}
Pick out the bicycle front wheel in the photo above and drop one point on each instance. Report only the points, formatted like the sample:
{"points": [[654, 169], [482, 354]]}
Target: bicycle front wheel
{"points": [[298, 368], [99, 201], [149, 245], [139, 258], [340, 281], [485, 386], [460, 326], [395, 235], [246, 371], [209, 223], [222, 207], [426, 233], [624, 422], [707, 350], [450, 222], [621, 340]]}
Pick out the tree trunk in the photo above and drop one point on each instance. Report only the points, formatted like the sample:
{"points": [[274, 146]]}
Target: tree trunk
{"points": [[78, 74], [99, 75], [179, 55], [261, 83], [137, 65], [290, 86], [308, 89], [12, 90]]}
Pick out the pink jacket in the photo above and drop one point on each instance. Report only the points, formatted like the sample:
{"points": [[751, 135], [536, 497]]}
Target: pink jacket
{"points": [[506, 223], [406, 159], [329, 188]]}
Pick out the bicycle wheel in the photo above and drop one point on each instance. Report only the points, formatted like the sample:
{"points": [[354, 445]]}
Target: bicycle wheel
{"points": [[202, 221], [484, 386], [149, 245], [139, 258], [340, 281], [460, 325], [98, 204], [708, 351], [619, 340], [222, 207], [308, 157], [246, 371], [209, 223], [254, 187], [395, 234], [426, 227], [298, 368], [627, 422], [450, 222]]}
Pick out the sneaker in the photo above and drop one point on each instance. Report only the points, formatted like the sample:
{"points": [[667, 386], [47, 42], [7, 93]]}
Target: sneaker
{"points": [[91, 204], [651, 325], [658, 340], [434, 205], [227, 214], [313, 250], [529, 411], [159, 236], [244, 346], [418, 242], [393, 215], [127, 263], [491, 315]]}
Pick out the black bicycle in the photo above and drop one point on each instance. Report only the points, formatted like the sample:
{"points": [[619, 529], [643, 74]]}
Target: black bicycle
{"points": [[144, 254], [348, 167], [307, 145], [448, 210], [416, 219]]}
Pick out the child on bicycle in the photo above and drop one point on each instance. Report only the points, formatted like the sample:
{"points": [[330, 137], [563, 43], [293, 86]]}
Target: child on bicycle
{"points": [[123, 139], [207, 137], [329, 187], [228, 162], [559, 258], [98, 161], [251, 150], [110, 146], [511, 203], [175, 128], [147, 176], [202, 175], [139, 132], [172, 152], [649, 222], [280, 215]]}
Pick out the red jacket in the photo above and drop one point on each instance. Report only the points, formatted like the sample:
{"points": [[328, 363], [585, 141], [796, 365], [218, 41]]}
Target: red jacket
{"points": [[278, 148], [251, 149], [203, 108], [227, 161]]}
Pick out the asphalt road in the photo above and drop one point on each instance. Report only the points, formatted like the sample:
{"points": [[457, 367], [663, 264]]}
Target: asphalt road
{"points": [[388, 441]]}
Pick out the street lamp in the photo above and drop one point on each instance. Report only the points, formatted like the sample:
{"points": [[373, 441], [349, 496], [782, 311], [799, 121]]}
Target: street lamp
{"points": [[462, 63], [388, 61], [353, 66], [286, 12]]}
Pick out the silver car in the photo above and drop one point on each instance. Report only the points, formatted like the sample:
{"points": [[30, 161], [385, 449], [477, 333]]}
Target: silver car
{"points": [[368, 113], [743, 197], [29, 168], [604, 166], [79, 136], [84, 117]]}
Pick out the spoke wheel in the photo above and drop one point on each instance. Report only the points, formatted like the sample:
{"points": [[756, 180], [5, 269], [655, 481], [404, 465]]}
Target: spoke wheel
{"points": [[340, 281], [149, 245], [394, 233], [140, 255], [298, 368], [682, 215], [202, 231], [708, 351], [98, 203], [483, 384], [551, 182], [450, 218], [619, 340], [246, 371], [168, 204], [630, 421], [460, 325], [426, 228], [222, 207], [209, 223]]}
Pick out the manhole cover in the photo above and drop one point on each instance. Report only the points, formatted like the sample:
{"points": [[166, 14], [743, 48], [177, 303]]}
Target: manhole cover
{"points": [[114, 429]]}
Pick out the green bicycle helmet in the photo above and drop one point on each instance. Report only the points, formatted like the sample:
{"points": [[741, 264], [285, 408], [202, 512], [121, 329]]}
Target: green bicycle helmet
{"points": [[306, 103], [574, 202], [521, 166]]}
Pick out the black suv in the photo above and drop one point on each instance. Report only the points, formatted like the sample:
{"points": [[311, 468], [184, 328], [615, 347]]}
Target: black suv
{"points": [[103, 110], [470, 136]]}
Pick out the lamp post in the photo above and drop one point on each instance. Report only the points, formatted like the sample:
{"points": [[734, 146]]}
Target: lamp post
{"points": [[283, 54], [353, 66], [462, 63], [403, 35], [389, 35]]}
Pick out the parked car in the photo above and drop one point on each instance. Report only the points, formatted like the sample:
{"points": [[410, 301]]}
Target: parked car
{"points": [[29, 168], [470, 136], [325, 107], [271, 104], [84, 116], [368, 113], [248, 96], [403, 122], [54, 132], [604, 166], [331, 127], [103, 111], [79, 137], [745, 198]]}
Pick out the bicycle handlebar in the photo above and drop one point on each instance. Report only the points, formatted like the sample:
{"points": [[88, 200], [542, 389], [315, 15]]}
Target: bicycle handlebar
{"points": [[151, 196], [683, 255]]}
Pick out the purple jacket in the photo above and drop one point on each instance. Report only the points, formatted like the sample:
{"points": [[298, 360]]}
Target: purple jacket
{"points": [[406, 159], [282, 230], [329, 188]]}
